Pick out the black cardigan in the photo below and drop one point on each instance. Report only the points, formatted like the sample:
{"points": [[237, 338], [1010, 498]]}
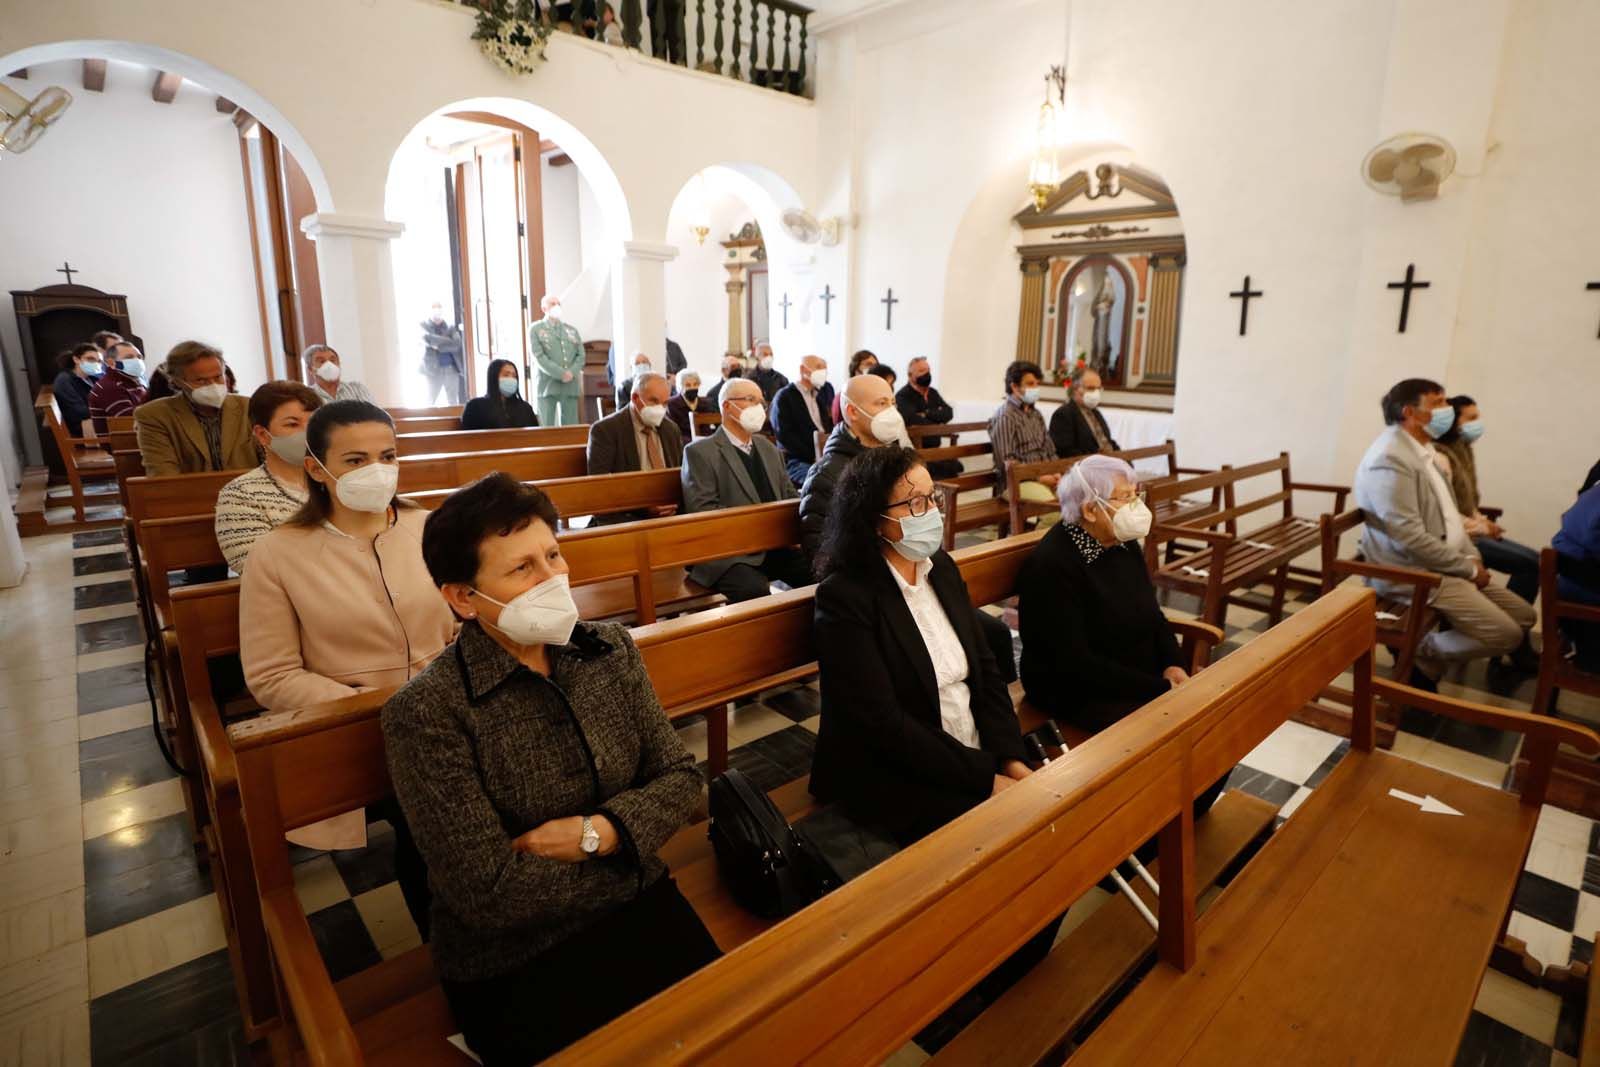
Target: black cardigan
{"points": [[881, 751], [1070, 432], [1094, 640], [483, 413]]}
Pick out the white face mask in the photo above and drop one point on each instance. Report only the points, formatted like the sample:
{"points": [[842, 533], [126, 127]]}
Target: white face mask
{"points": [[1031, 395], [1091, 398], [544, 615], [653, 415], [209, 396], [369, 488], [554, 312], [819, 378], [766, 362], [640, 368], [753, 418], [888, 426], [329, 372]]}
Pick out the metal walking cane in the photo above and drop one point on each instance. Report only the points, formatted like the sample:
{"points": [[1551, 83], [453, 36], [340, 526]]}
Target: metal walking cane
{"points": [[1036, 748]]}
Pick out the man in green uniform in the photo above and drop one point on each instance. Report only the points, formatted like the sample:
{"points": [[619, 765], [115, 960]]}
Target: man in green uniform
{"points": [[558, 358]]}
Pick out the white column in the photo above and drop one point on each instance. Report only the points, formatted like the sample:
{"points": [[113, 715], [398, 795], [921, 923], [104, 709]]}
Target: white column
{"points": [[639, 302], [12, 564], [358, 306]]}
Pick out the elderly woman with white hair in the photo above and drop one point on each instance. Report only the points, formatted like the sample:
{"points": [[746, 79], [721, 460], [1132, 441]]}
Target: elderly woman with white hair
{"points": [[685, 402], [327, 376], [1095, 644]]}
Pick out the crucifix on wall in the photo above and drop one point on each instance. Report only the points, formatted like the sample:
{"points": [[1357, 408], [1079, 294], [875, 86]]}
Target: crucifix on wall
{"points": [[888, 303], [1407, 285], [786, 304], [827, 304], [1243, 295], [66, 268]]}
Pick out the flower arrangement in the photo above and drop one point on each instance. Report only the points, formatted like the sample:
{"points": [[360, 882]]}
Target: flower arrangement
{"points": [[513, 34]]}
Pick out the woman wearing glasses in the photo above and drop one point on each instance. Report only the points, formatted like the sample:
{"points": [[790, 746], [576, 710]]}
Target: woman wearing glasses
{"points": [[917, 726], [1095, 644]]}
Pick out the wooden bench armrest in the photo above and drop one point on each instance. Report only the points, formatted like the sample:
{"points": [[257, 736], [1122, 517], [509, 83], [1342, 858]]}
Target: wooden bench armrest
{"points": [[1492, 514], [1214, 538], [1572, 609], [1198, 640], [1421, 580], [1535, 727], [1340, 492], [329, 1038], [1194, 470], [211, 738]]}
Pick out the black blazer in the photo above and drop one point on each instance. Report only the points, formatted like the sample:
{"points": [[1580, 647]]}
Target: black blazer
{"points": [[1069, 430], [1094, 639], [881, 751], [487, 413], [793, 425]]}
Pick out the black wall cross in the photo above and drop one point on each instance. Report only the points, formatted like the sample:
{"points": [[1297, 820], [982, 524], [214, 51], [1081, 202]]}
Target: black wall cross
{"points": [[1409, 284], [1593, 285], [66, 268], [786, 304], [827, 304], [888, 303], [1243, 294]]}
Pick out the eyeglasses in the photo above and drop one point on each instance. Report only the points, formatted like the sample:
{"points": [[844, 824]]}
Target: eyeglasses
{"points": [[1137, 494], [917, 505]]}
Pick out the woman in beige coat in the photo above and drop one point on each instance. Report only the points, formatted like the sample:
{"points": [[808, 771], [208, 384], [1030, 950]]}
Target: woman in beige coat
{"points": [[337, 600]]}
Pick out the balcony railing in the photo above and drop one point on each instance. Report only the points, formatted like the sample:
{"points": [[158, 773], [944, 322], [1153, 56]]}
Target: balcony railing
{"points": [[763, 42]]}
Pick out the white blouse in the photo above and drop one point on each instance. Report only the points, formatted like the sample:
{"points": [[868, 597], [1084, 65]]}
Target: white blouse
{"points": [[950, 666]]}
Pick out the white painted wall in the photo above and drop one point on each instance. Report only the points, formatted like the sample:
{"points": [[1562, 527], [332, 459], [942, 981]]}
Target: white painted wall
{"points": [[146, 199]]}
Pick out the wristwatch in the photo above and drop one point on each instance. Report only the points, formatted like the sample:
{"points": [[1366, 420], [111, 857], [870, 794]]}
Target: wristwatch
{"points": [[590, 839]]}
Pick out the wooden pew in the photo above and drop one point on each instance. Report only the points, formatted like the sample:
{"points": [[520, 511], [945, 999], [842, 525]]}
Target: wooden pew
{"points": [[119, 424], [427, 424], [1231, 561], [455, 441], [594, 494], [1172, 511], [851, 978], [1575, 784], [451, 471], [122, 440], [453, 410], [706, 422], [83, 458], [1399, 624]]}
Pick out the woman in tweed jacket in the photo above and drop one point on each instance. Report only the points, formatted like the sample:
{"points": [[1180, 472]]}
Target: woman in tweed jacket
{"points": [[540, 777]]}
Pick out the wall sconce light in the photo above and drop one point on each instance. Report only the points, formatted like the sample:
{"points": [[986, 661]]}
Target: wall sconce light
{"points": [[1044, 173]]}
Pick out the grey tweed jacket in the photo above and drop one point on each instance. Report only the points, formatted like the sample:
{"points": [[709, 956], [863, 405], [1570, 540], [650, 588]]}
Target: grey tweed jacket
{"points": [[481, 750]]}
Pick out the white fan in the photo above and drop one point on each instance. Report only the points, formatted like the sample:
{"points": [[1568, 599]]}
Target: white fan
{"points": [[1410, 166], [804, 228], [25, 120]]}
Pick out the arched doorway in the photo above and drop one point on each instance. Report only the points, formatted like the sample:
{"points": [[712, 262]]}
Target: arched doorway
{"points": [[502, 203]]}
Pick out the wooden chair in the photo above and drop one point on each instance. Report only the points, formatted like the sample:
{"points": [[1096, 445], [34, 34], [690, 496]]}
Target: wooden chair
{"points": [[1345, 905], [1231, 561], [84, 458], [1400, 622]]}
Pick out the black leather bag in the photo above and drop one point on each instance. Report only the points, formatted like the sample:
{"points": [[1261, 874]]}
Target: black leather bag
{"points": [[771, 869]]}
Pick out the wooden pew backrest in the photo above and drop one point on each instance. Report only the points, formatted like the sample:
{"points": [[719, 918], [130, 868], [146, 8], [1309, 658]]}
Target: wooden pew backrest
{"points": [[452, 441], [419, 473]]}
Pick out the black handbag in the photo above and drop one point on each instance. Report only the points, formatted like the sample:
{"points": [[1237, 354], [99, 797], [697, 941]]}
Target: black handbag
{"points": [[771, 869]]}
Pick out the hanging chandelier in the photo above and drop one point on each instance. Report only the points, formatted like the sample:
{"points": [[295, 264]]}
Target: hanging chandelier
{"points": [[1044, 173]]}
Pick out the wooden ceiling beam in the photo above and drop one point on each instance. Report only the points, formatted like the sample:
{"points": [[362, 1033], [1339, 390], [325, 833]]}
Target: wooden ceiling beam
{"points": [[94, 75], [166, 85], [226, 106]]}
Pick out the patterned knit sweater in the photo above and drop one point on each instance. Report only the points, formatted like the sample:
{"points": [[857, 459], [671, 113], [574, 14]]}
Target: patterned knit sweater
{"points": [[248, 508]]}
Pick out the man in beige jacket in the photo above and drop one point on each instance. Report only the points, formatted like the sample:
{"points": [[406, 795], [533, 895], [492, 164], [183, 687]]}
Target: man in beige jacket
{"points": [[204, 427]]}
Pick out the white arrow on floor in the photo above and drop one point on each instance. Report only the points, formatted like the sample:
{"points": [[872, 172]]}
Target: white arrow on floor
{"points": [[1429, 804]]}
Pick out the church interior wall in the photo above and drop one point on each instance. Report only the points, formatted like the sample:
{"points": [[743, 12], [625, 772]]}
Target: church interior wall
{"points": [[144, 199], [697, 302]]}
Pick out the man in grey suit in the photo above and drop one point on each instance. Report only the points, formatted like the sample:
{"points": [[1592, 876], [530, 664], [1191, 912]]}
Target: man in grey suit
{"points": [[640, 437], [734, 467], [1412, 521]]}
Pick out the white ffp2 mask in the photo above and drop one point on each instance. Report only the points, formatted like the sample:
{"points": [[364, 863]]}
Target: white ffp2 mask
{"points": [[543, 615]]}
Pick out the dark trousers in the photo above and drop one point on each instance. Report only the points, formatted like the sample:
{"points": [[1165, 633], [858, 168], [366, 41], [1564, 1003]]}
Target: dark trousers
{"points": [[410, 869], [798, 469], [1518, 562], [744, 582], [666, 31], [998, 635], [578, 985]]}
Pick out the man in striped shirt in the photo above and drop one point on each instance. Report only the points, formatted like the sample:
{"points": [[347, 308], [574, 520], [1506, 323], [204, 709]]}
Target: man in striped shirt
{"points": [[1018, 432], [121, 388]]}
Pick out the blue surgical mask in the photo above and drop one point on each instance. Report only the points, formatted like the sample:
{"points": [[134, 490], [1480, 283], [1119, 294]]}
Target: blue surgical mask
{"points": [[920, 535], [1440, 421], [134, 367], [508, 387], [1471, 431], [1030, 396]]}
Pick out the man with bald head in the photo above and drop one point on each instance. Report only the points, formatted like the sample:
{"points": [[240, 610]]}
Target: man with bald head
{"points": [[801, 410], [734, 467], [868, 418]]}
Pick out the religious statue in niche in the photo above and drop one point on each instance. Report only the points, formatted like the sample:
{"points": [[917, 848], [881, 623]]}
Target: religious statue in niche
{"points": [[1102, 269]]}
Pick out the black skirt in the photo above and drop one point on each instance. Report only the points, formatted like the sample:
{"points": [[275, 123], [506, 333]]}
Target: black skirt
{"points": [[578, 985]]}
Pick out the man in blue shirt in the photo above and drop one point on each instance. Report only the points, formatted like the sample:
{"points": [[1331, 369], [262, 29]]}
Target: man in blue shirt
{"points": [[1579, 541]]}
